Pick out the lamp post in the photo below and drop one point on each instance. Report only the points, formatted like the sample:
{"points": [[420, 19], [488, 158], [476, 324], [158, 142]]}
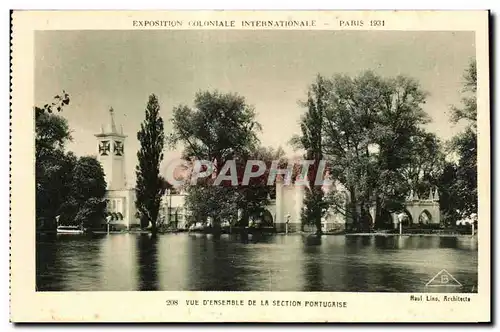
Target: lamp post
{"points": [[108, 220]]}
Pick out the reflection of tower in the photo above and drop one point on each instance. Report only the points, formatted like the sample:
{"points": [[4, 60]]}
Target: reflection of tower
{"points": [[111, 154]]}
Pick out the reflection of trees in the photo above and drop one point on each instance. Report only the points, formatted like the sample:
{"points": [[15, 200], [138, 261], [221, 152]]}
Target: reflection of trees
{"points": [[313, 269], [384, 242], [147, 254], [406, 242], [370, 274], [46, 264], [390, 278], [351, 244], [355, 278], [448, 242], [312, 240], [67, 263], [216, 264], [354, 244], [227, 274], [366, 241]]}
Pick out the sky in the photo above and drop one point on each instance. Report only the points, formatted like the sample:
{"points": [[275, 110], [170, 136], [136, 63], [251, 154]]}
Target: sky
{"points": [[271, 69]]}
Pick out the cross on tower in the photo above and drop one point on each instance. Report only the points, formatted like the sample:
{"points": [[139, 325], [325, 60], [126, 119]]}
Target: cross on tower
{"points": [[118, 148], [104, 148]]}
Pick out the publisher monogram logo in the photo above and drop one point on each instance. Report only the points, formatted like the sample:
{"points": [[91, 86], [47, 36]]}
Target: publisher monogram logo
{"points": [[443, 278]]}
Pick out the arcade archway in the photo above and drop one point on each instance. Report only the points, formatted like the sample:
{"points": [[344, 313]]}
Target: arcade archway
{"points": [[267, 219], [113, 216], [366, 220], [405, 218], [425, 217], [384, 220]]}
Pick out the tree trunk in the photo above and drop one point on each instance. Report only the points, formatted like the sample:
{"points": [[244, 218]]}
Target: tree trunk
{"points": [[154, 220], [153, 228], [216, 229], [319, 230], [318, 197], [354, 208], [377, 221]]}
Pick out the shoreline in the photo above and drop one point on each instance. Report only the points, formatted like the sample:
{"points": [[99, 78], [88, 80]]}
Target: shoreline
{"points": [[283, 234], [410, 234]]}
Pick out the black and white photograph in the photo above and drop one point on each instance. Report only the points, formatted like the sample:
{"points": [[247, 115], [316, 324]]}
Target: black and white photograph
{"points": [[391, 116]]}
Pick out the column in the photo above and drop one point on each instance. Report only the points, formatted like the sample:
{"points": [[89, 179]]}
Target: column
{"points": [[279, 202]]}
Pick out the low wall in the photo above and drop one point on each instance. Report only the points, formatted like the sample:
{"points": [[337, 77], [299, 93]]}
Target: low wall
{"points": [[292, 227]]}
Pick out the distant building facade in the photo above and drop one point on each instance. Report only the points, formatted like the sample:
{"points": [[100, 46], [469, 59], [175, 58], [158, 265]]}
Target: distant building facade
{"points": [[173, 211], [287, 209]]}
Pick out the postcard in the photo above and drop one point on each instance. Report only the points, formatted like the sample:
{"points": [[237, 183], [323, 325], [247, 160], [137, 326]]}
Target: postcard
{"points": [[250, 166]]}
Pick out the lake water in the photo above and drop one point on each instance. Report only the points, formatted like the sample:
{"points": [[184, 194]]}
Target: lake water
{"points": [[173, 262]]}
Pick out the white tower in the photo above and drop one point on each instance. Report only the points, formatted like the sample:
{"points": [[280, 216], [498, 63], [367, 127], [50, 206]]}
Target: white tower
{"points": [[111, 154]]}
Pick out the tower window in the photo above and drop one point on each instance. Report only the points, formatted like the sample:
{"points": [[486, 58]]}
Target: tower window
{"points": [[104, 148], [118, 148]]}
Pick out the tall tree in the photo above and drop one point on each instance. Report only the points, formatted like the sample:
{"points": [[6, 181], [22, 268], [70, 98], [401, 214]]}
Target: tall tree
{"points": [[468, 111], [85, 203], [449, 203], [220, 127], [54, 171], [66, 186], [465, 184], [426, 163], [52, 165], [311, 140], [458, 183], [150, 187], [465, 145], [368, 128], [165, 185]]}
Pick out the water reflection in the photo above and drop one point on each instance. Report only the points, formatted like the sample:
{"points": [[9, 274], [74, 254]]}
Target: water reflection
{"points": [[147, 261], [448, 242], [174, 262], [117, 261], [46, 262], [313, 269]]}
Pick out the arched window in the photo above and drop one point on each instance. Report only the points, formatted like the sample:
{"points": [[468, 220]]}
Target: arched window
{"points": [[425, 217], [404, 217], [267, 219]]}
